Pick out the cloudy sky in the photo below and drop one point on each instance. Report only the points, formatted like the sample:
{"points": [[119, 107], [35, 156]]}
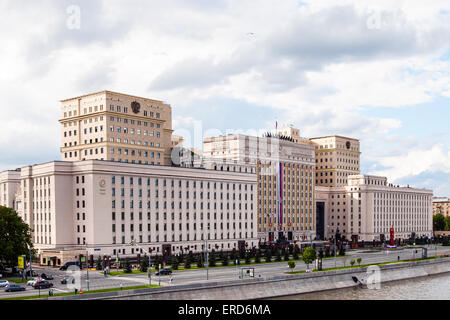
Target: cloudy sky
{"points": [[374, 70]]}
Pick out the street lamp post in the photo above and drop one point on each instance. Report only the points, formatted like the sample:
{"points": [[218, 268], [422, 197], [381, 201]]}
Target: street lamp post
{"points": [[87, 268]]}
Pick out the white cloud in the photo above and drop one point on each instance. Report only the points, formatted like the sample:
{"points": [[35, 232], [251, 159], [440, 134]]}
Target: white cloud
{"points": [[317, 64]]}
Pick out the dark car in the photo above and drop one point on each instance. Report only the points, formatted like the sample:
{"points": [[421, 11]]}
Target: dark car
{"points": [[14, 287], [67, 279], [164, 272], [70, 263], [43, 284], [46, 276]]}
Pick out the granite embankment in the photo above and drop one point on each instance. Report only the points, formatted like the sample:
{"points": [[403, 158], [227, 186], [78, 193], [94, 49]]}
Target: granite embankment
{"points": [[282, 285]]}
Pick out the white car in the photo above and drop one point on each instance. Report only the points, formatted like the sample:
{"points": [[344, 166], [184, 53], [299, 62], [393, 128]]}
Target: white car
{"points": [[32, 282], [4, 283]]}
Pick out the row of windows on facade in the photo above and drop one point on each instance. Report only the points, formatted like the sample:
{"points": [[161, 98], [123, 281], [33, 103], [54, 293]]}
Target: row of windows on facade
{"points": [[187, 183], [338, 160], [180, 194], [208, 216], [172, 205], [138, 142], [215, 226], [228, 169], [404, 196], [125, 110], [180, 237], [136, 122], [138, 131], [139, 153], [136, 161], [354, 169], [285, 220]]}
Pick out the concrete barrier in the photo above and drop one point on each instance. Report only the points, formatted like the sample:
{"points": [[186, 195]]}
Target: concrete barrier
{"points": [[277, 286]]}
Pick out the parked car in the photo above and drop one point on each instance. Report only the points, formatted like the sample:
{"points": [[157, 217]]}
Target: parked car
{"points": [[4, 283], [32, 282], [67, 279], [70, 263], [164, 272], [14, 287], [42, 284], [46, 276]]}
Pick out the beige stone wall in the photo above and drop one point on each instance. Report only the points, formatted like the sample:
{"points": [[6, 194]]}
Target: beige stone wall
{"points": [[336, 158], [103, 126]]}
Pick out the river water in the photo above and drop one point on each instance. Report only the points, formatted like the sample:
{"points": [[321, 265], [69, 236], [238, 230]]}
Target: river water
{"points": [[424, 288]]}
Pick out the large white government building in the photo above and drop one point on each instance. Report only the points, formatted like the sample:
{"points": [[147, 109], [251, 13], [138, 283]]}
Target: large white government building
{"points": [[104, 205], [119, 182]]}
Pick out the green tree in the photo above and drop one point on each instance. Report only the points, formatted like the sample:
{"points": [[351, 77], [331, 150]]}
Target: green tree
{"points": [[278, 256], [291, 265], [352, 262], [200, 261], [309, 255], [438, 222], [447, 223], [15, 237], [295, 252], [247, 258], [225, 259], [99, 264], [258, 256], [268, 255], [187, 262], [212, 259], [175, 264], [144, 264], [127, 266], [359, 260]]}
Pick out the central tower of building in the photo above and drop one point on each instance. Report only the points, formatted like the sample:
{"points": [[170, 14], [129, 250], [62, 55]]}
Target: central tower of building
{"points": [[116, 127]]}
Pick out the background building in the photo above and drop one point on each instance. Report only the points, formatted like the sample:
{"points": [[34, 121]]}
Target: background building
{"points": [[441, 205], [369, 206], [117, 127]]}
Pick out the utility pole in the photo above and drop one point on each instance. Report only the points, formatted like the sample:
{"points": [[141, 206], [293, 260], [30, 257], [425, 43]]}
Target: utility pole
{"points": [[207, 260]]}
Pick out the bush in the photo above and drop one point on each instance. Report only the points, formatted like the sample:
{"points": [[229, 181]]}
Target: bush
{"points": [[175, 264], [359, 260], [247, 258], [278, 256], [268, 256], [199, 262], [258, 257], [286, 256], [187, 263], [291, 265], [225, 260], [212, 259], [144, 264], [99, 264], [352, 262]]}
